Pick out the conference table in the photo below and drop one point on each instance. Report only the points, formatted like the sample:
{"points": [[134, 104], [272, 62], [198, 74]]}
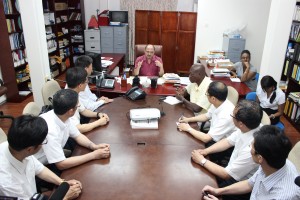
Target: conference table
{"points": [[144, 164]]}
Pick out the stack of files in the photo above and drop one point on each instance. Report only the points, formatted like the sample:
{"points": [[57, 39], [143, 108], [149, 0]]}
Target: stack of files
{"points": [[171, 78], [106, 63], [114, 23], [144, 124], [291, 110], [16, 41], [220, 72], [295, 96]]}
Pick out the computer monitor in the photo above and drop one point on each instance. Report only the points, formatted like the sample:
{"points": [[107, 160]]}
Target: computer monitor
{"points": [[97, 65], [118, 16]]}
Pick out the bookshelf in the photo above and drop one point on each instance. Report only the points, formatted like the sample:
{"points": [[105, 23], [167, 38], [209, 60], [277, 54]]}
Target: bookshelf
{"points": [[14, 66], [64, 25], [291, 71]]}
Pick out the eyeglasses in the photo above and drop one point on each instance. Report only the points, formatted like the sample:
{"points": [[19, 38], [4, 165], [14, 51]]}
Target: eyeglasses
{"points": [[45, 141], [234, 117]]}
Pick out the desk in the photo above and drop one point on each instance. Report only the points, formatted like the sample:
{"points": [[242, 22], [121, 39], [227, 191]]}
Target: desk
{"points": [[144, 164], [241, 88], [118, 60]]}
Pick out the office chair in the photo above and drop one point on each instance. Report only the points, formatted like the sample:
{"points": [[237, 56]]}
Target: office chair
{"points": [[31, 109], [233, 95], [3, 91], [48, 90], [256, 77], [3, 136], [265, 120], [139, 50], [294, 155], [251, 96]]}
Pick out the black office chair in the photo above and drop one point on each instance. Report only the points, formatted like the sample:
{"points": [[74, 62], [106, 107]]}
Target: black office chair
{"points": [[3, 91]]}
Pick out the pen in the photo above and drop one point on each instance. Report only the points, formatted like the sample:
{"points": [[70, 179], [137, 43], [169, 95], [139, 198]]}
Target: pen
{"points": [[182, 115]]}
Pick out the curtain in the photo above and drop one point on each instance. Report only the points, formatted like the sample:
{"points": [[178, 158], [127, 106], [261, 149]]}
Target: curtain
{"points": [[132, 5]]}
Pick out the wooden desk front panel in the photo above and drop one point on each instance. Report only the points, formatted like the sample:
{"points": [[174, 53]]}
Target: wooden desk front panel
{"points": [[144, 164]]}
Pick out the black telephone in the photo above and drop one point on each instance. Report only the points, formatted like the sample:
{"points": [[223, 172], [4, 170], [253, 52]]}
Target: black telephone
{"points": [[101, 82], [135, 93]]}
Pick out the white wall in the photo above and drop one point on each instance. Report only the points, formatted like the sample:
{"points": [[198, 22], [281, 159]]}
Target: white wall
{"points": [[90, 7], [214, 17]]}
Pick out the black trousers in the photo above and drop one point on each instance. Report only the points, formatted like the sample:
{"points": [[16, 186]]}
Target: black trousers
{"points": [[223, 183], [270, 112], [220, 158]]}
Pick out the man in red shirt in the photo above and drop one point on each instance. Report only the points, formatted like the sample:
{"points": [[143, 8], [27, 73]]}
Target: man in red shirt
{"points": [[149, 64]]}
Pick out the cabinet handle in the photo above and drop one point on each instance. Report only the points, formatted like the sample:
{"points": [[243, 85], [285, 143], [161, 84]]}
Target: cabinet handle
{"points": [[92, 37], [92, 47]]}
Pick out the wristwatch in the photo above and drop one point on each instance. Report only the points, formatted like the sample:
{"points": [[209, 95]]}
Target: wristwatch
{"points": [[202, 162]]}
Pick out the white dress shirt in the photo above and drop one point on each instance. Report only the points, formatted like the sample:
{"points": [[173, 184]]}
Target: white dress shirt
{"points": [[58, 134], [17, 179], [197, 93], [279, 185], [76, 117], [241, 165], [265, 101], [89, 99], [221, 124]]}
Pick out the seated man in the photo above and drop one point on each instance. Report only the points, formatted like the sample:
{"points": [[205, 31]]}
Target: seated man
{"points": [[77, 80], [219, 114], [149, 64], [275, 177], [89, 99], [246, 117], [195, 91], [18, 168], [60, 128]]}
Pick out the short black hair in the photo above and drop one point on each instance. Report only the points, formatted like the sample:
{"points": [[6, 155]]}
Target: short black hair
{"points": [[249, 112], [75, 76], [64, 100], [273, 145], [267, 82], [83, 61], [218, 89], [246, 52], [26, 131]]}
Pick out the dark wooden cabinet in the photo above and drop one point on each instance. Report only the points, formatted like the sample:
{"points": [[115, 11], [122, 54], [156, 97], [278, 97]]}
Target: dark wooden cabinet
{"points": [[291, 72], [175, 31], [64, 24], [13, 61]]}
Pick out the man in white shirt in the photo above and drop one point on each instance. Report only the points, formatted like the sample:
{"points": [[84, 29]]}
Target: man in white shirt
{"points": [[76, 78], [196, 90], [246, 117], [89, 99], [219, 113], [60, 128], [275, 177], [18, 168]]}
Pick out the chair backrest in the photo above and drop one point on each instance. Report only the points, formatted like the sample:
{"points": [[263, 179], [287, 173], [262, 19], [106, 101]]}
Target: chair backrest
{"points": [[32, 109], [139, 50], [294, 155], [251, 96], [233, 95], [49, 89], [256, 77], [265, 120], [3, 136]]}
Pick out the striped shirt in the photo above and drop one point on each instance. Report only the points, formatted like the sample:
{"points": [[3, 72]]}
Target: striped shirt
{"points": [[279, 185]]}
